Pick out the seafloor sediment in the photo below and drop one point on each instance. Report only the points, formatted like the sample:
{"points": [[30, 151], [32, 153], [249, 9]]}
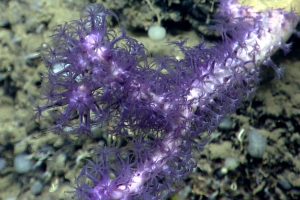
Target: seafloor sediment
{"points": [[225, 169]]}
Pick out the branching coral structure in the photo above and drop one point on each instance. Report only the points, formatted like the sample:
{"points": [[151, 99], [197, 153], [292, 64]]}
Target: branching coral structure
{"points": [[158, 106]]}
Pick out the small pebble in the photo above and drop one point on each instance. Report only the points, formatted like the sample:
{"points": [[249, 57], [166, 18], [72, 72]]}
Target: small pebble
{"points": [[157, 32], [257, 144], [22, 163], [285, 184], [11, 198], [2, 164], [37, 188], [226, 124]]}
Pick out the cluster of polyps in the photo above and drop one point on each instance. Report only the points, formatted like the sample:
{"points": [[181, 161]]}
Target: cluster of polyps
{"points": [[103, 77]]}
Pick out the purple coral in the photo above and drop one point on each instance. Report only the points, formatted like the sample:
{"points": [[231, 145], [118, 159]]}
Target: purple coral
{"points": [[81, 76], [157, 106]]}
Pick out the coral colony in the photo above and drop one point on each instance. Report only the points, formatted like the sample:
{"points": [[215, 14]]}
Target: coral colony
{"points": [[157, 107]]}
